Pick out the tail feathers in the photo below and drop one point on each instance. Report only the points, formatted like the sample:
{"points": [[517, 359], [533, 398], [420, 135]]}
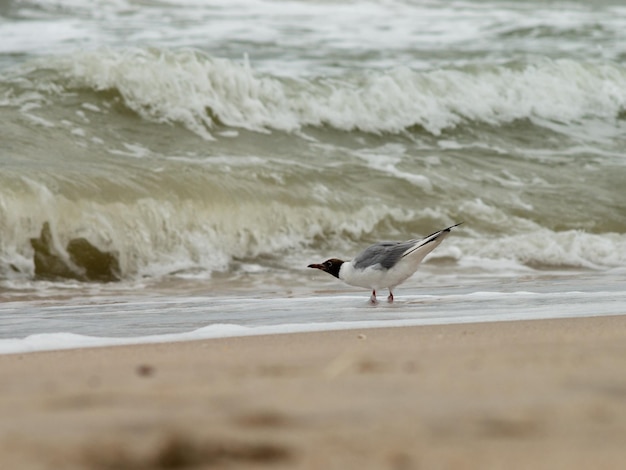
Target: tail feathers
{"points": [[437, 236]]}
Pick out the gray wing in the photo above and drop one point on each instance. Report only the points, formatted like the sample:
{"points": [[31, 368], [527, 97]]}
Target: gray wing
{"points": [[385, 254]]}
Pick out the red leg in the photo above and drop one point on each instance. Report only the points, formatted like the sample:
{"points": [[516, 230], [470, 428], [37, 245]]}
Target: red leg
{"points": [[373, 300], [390, 298]]}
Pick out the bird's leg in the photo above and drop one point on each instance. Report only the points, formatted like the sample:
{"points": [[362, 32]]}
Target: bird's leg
{"points": [[373, 300], [390, 298]]}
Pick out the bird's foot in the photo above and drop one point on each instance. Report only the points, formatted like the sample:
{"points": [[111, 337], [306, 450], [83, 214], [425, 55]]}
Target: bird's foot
{"points": [[390, 298], [373, 299]]}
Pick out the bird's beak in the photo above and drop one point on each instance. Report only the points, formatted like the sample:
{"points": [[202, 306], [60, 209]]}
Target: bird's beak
{"points": [[316, 266]]}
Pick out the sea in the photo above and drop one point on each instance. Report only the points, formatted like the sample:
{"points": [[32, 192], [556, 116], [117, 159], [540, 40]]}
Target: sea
{"points": [[216, 148]]}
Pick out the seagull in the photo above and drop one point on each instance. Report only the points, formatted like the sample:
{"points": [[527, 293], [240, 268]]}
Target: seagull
{"points": [[384, 264]]}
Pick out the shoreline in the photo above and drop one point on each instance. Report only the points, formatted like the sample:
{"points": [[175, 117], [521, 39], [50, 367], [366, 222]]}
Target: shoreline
{"points": [[55, 342], [541, 393], [101, 319]]}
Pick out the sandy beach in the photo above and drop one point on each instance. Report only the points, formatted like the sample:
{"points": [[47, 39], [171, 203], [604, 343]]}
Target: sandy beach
{"points": [[529, 394]]}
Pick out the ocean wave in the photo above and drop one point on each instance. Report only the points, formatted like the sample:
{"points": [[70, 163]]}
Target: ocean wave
{"points": [[546, 249], [154, 237], [201, 92]]}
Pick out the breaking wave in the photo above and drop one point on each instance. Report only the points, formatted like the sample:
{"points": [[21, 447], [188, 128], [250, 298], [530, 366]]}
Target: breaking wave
{"points": [[200, 92]]}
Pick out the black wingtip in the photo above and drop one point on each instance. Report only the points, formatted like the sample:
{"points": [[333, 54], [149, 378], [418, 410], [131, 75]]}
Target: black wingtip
{"points": [[451, 227]]}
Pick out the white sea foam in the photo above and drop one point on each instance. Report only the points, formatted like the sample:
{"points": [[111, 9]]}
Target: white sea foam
{"points": [[544, 248], [313, 34], [386, 160]]}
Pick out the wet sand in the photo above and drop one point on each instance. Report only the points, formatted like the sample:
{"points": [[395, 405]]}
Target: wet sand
{"points": [[543, 394]]}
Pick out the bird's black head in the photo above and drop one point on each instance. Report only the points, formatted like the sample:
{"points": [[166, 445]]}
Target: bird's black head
{"points": [[331, 266]]}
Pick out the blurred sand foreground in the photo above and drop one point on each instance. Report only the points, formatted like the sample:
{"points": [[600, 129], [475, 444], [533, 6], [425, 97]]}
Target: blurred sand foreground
{"points": [[545, 394]]}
